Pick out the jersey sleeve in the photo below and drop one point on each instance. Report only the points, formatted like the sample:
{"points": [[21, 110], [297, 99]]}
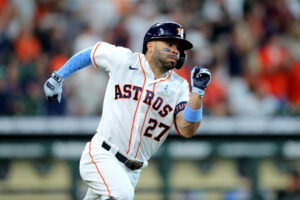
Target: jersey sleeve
{"points": [[107, 56], [183, 98]]}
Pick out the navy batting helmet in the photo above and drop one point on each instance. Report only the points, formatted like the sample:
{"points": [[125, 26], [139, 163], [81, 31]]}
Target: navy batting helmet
{"points": [[166, 30]]}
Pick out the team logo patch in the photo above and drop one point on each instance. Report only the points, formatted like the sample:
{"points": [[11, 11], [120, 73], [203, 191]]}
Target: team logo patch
{"points": [[161, 31], [180, 32]]}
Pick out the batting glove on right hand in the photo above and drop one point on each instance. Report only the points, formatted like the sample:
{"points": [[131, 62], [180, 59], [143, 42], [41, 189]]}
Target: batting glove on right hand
{"points": [[53, 88], [200, 78]]}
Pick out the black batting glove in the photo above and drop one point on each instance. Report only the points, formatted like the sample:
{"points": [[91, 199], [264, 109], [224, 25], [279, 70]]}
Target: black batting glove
{"points": [[200, 78]]}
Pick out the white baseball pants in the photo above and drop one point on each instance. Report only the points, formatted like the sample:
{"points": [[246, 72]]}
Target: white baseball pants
{"points": [[106, 176]]}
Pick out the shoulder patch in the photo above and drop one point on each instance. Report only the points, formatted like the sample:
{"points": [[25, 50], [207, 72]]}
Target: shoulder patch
{"points": [[179, 107]]}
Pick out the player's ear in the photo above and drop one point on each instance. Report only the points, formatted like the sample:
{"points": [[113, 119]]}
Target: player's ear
{"points": [[149, 46]]}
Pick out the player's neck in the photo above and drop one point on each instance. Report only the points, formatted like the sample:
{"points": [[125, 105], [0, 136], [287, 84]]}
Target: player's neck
{"points": [[157, 71]]}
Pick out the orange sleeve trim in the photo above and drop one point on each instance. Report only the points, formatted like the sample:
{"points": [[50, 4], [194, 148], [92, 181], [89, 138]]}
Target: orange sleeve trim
{"points": [[109, 193], [137, 106], [94, 61]]}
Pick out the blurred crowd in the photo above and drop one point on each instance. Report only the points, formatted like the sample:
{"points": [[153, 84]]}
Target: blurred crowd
{"points": [[252, 48]]}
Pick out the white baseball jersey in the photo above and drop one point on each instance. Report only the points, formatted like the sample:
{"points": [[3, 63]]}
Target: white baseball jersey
{"points": [[138, 110]]}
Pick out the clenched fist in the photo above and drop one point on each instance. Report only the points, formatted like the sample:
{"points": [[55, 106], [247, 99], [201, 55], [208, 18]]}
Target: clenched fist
{"points": [[200, 78]]}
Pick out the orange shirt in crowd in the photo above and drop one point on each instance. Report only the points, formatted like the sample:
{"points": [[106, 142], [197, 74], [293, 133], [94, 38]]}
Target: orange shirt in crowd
{"points": [[27, 48], [272, 73], [57, 62], [3, 4], [294, 83]]}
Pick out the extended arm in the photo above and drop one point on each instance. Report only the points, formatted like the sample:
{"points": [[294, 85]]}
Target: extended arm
{"points": [[189, 120], [53, 86]]}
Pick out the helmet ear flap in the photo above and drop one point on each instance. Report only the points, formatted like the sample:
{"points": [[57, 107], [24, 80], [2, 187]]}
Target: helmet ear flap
{"points": [[182, 59]]}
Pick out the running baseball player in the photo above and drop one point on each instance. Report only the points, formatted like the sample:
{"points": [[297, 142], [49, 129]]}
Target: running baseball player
{"points": [[143, 99]]}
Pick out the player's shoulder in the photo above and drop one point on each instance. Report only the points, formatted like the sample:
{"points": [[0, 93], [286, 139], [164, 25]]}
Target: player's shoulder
{"points": [[178, 79], [120, 49]]}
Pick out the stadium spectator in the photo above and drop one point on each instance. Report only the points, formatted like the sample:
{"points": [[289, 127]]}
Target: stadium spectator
{"points": [[256, 44], [294, 88]]}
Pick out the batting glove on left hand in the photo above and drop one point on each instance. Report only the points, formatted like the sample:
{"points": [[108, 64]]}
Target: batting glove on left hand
{"points": [[200, 78], [53, 88]]}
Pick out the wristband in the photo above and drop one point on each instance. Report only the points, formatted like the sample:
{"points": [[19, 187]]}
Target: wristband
{"points": [[191, 115]]}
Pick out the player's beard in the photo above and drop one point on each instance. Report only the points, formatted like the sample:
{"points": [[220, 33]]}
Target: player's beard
{"points": [[162, 60]]}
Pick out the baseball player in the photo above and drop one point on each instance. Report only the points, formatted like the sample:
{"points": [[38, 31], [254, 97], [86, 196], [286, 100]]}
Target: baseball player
{"points": [[143, 99]]}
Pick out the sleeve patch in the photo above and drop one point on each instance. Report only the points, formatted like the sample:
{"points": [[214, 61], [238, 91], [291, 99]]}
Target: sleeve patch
{"points": [[179, 107]]}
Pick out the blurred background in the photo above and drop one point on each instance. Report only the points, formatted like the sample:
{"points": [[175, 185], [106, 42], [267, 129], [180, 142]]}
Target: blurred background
{"points": [[248, 147]]}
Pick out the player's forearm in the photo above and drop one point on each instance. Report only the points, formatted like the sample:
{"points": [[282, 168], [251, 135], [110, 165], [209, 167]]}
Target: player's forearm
{"points": [[78, 61], [185, 128], [53, 86], [188, 123]]}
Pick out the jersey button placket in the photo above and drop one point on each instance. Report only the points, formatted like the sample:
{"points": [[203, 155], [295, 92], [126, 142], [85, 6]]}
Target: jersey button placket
{"points": [[138, 123]]}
